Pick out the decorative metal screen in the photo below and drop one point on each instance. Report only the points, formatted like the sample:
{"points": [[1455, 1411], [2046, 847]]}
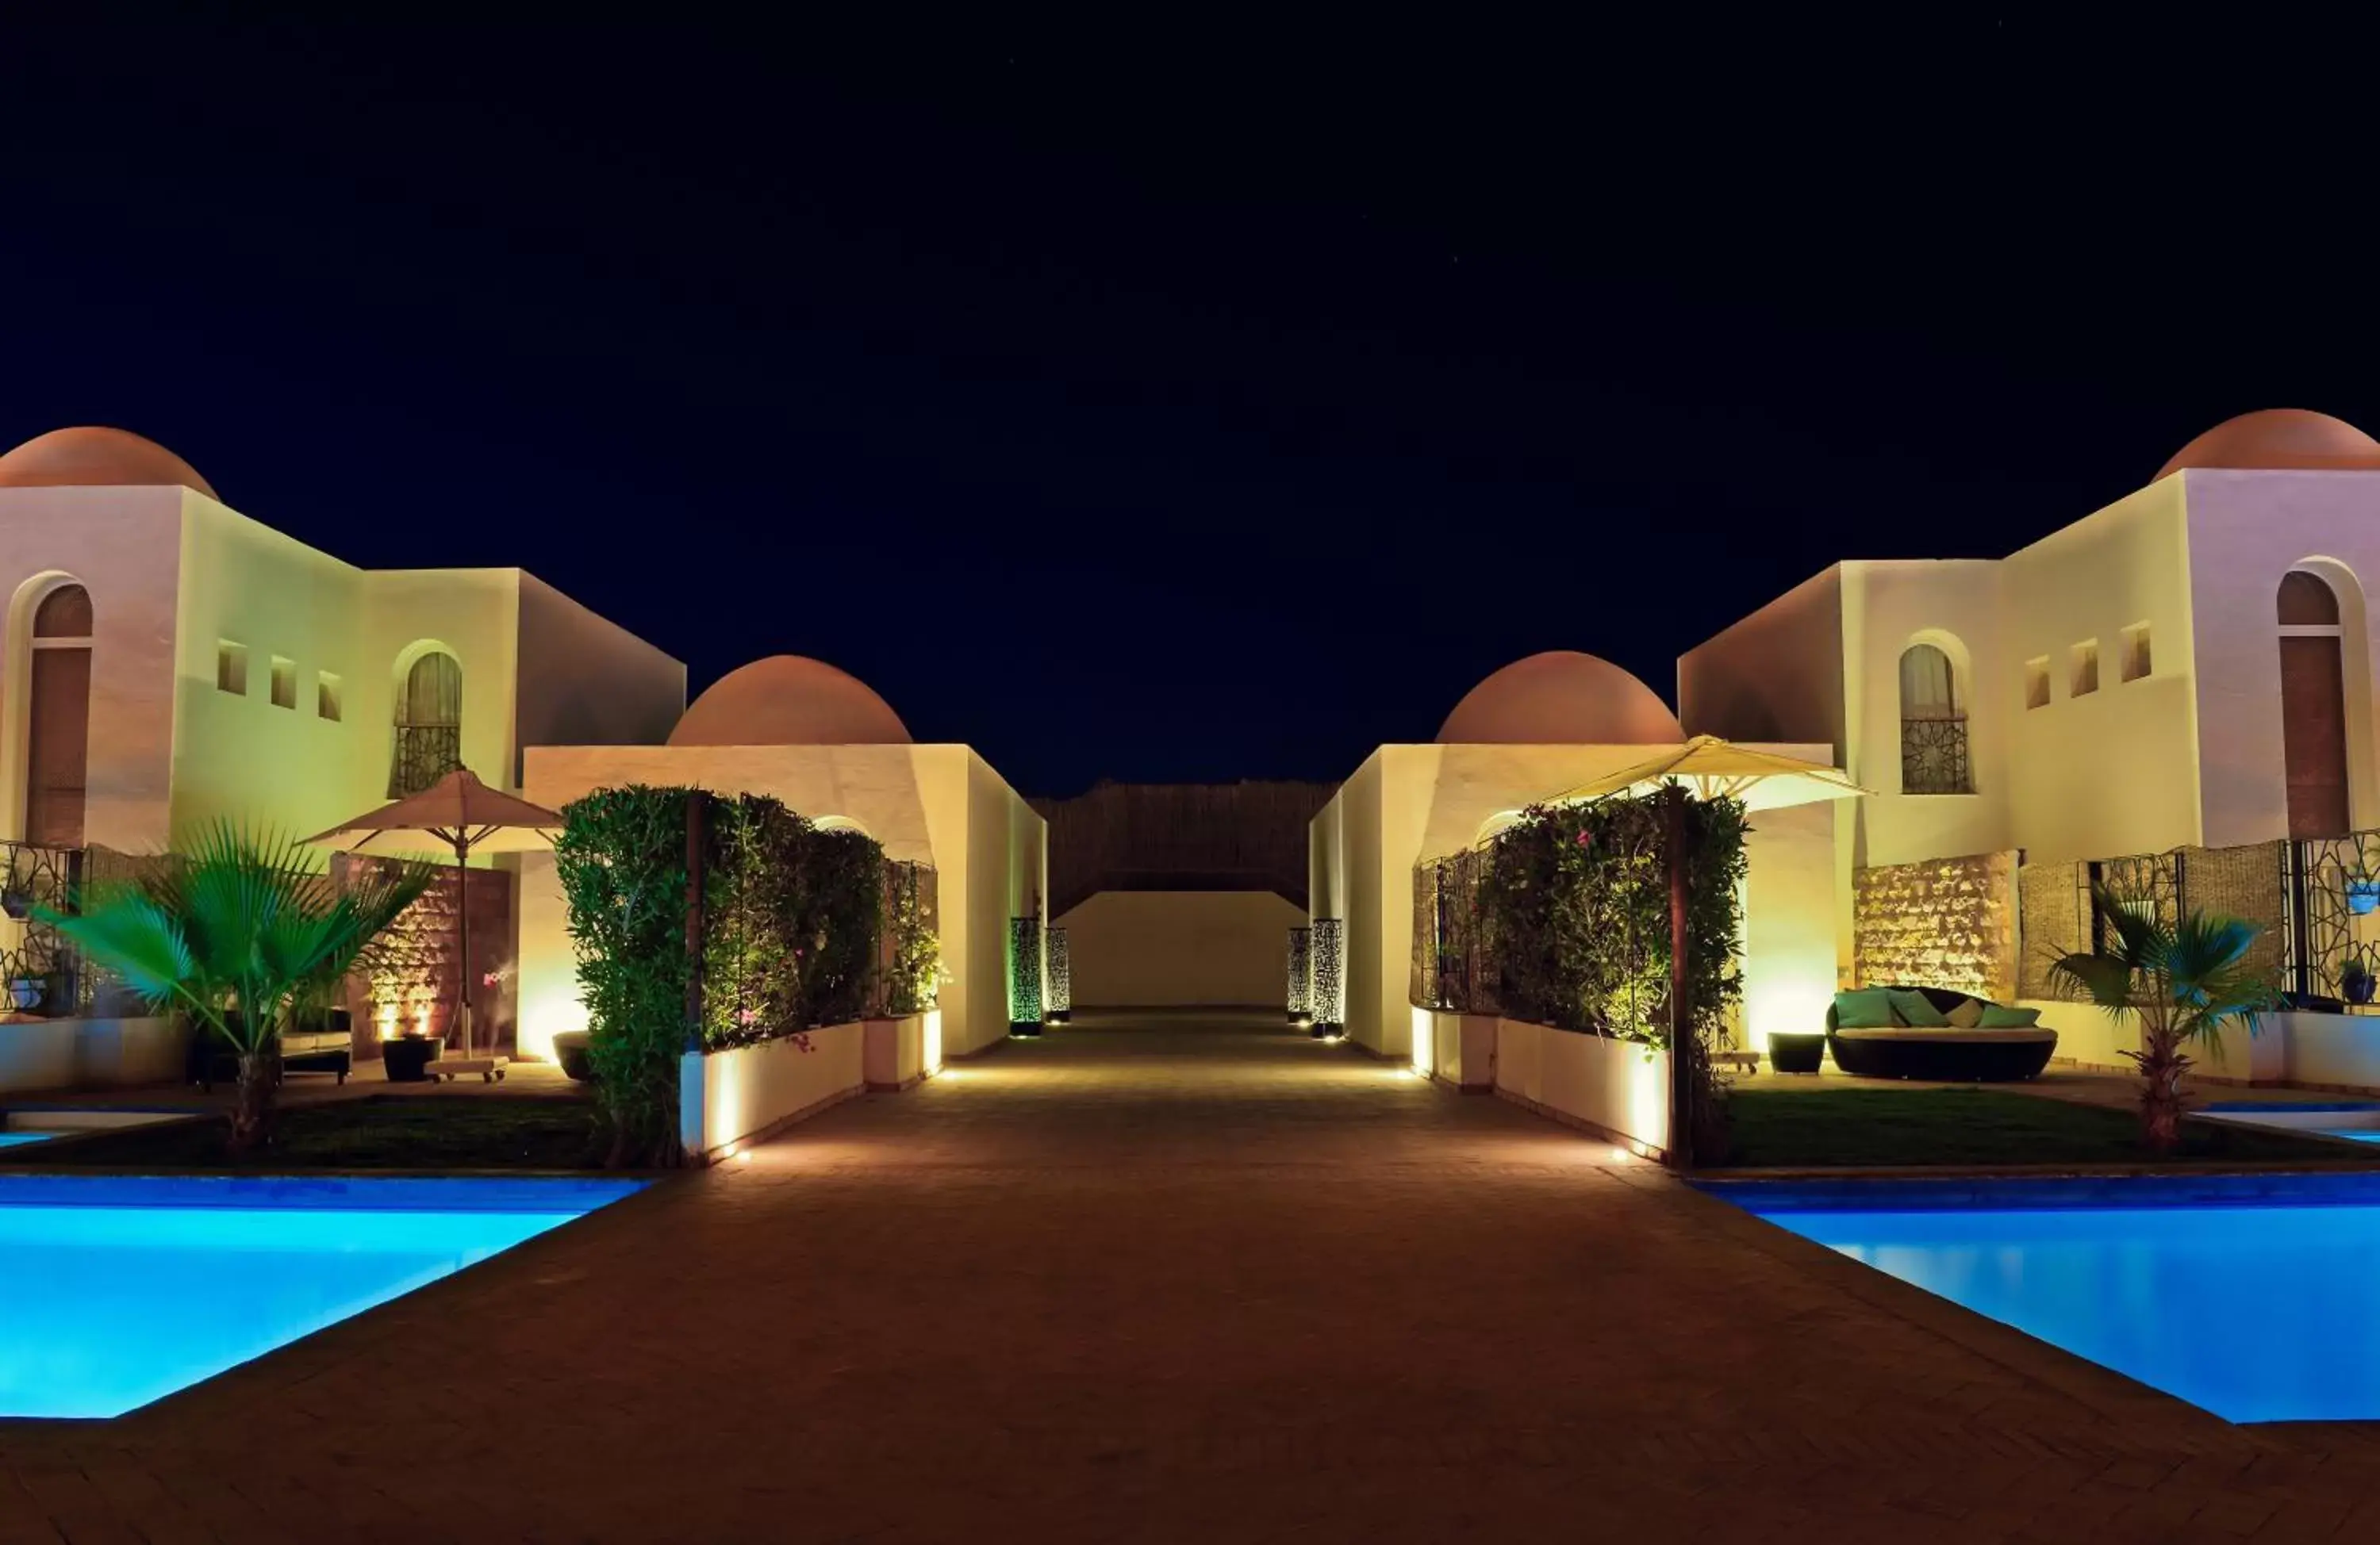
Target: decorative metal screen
{"points": [[2333, 887], [908, 887], [1933, 755], [1301, 978], [1454, 967], [1328, 946], [1061, 996], [2253, 883], [429, 725], [1023, 971]]}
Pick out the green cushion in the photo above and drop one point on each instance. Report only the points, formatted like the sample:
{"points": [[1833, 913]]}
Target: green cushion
{"points": [[1915, 1009], [1863, 1008], [1968, 1013], [1997, 1017]]}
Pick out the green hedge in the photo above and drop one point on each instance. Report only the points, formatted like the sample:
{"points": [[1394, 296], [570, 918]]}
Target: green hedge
{"points": [[1576, 905], [794, 917]]}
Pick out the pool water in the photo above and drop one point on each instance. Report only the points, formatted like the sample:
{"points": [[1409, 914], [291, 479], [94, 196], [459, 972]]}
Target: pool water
{"points": [[114, 1292], [18, 1140], [2252, 1297]]}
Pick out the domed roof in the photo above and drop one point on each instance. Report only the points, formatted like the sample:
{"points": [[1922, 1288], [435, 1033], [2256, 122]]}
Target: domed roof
{"points": [[1560, 697], [789, 700], [2279, 437], [94, 457]]}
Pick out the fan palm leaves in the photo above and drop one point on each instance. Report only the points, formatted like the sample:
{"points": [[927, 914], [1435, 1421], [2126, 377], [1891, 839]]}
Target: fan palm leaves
{"points": [[2181, 980], [233, 931]]}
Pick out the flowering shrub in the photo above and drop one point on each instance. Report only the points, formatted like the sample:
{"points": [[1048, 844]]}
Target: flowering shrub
{"points": [[1575, 902], [792, 920]]}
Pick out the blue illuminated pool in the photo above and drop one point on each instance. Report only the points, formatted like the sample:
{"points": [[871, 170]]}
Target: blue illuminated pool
{"points": [[2257, 1297], [18, 1140], [114, 1292]]}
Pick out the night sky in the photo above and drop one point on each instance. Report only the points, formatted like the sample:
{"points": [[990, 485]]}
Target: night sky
{"points": [[1182, 405]]}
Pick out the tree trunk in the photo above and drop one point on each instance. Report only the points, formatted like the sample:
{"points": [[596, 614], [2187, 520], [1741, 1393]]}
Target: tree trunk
{"points": [[252, 1109], [2161, 1067]]}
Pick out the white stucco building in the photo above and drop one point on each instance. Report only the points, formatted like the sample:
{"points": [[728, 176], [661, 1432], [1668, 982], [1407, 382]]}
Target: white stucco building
{"points": [[2190, 665], [1530, 732]]}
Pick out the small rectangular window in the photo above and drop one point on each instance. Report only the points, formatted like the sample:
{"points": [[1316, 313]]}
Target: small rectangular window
{"points": [[231, 667], [2037, 683], [2137, 661], [326, 696], [285, 683], [2082, 669]]}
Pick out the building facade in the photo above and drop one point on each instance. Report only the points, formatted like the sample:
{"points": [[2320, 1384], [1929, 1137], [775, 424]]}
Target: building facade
{"points": [[170, 662]]}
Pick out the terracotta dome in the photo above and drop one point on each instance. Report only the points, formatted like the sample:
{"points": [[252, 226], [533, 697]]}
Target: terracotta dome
{"points": [[92, 457], [2277, 438], [1560, 697], [789, 700]]}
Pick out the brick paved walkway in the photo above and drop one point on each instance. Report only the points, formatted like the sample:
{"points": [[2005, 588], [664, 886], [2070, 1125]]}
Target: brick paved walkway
{"points": [[1177, 1285]]}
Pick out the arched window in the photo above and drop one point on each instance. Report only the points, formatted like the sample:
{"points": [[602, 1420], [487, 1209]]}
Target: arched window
{"points": [[2313, 705], [57, 725], [1933, 725], [428, 724]]}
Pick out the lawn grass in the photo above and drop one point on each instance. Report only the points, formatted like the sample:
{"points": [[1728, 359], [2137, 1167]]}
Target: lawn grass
{"points": [[1886, 1128], [382, 1131]]}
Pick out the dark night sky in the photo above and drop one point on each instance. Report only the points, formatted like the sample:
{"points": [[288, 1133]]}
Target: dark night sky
{"points": [[1184, 405]]}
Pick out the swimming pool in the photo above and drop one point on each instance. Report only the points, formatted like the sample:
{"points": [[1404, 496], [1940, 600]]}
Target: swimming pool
{"points": [[2356, 1120], [114, 1292], [2252, 1297], [18, 1140]]}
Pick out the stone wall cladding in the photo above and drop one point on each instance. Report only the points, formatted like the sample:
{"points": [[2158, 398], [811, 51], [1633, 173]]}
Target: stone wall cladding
{"points": [[1943, 923]]}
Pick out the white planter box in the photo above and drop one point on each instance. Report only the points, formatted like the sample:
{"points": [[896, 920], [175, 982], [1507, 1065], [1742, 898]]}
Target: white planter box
{"points": [[747, 1093], [1616, 1089], [900, 1053]]}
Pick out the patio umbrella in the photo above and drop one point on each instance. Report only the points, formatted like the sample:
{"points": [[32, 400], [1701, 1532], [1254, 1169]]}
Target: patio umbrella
{"points": [[461, 815], [1722, 769], [1716, 769]]}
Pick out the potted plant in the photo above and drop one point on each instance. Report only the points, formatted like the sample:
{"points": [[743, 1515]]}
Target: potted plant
{"points": [[2356, 981]]}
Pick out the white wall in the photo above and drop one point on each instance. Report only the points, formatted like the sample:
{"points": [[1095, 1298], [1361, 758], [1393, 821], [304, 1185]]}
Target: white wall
{"points": [[2124, 564], [2246, 529], [1794, 951], [124, 546], [1187, 949], [90, 1053]]}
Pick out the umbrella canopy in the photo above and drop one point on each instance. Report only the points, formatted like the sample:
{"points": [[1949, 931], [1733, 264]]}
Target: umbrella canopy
{"points": [[458, 812], [1719, 769], [458, 815]]}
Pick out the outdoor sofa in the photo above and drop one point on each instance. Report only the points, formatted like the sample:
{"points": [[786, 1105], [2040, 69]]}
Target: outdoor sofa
{"points": [[322, 1042], [1976, 1050]]}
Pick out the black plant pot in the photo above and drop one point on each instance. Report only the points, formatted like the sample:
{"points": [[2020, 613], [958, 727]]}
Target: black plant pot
{"points": [[1324, 1030], [1024, 1027], [1796, 1050], [570, 1054], [402, 1060]]}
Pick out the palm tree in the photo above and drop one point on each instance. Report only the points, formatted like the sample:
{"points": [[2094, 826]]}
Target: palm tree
{"points": [[2182, 981], [234, 933]]}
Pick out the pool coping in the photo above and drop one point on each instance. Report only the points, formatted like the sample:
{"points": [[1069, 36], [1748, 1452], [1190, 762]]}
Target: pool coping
{"points": [[2117, 1397]]}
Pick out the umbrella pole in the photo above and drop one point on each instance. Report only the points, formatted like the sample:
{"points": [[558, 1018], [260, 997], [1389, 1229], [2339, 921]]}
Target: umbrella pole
{"points": [[463, 939]]}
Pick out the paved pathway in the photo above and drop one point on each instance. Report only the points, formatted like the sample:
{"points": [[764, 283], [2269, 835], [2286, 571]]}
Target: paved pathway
{"points": [[1180, 1284]]}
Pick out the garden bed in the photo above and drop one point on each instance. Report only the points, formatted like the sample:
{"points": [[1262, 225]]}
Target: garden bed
{"points": [[1892, 1128], [383, 1131]]}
